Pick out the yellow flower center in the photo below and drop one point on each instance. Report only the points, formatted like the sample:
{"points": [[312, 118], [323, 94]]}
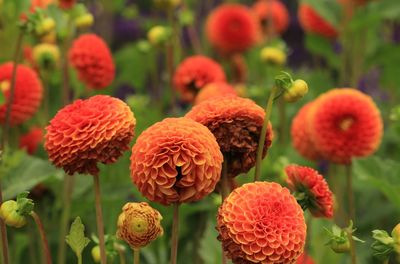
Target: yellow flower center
{"points": [[346, 123], [4, 86], [138, 225]]}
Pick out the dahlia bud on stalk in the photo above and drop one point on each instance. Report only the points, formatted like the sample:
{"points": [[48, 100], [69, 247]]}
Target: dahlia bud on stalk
{"points": [[384, 244], [296, 91], [96, 254], [339, 238], [45, 26], [46, 56], [14, 213], [273, 56], [84, 21], [139, 224], [158, 35]]}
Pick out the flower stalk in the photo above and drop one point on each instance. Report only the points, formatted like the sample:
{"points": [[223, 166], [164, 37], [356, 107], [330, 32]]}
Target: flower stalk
{"points": [[175, 234], [136, 256], [350, 197], [45, 244], [99, 219]]}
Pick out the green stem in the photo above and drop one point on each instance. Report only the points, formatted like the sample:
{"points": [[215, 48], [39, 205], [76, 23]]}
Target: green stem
{"points": [[65, 64], [282, 121], [136, 256], [352, 246], [170, 61], [175, 234], [261, 141], [79, 258], [45, 244], [121, 257], [350, 197], [99, 219], [66, 213]]}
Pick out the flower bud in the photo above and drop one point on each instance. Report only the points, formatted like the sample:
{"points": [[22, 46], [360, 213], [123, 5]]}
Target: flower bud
{"points": [[45, 26], [340, 247], [46, 56], [396, 238], [139, 224], [158, 35], [10, 215], [272, 55], [96, 254], [297, 90], [84, 21]]}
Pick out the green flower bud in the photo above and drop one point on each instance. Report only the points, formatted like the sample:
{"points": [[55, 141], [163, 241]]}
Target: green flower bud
{"points": [[296, 91], [158, 35], [45, 26], [96, 254], [46, 56], [84, 21], [272, 55], [340, 247], [9, 214]]}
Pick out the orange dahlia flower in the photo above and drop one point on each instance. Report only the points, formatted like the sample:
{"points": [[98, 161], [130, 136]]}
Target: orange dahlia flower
{"points": [[139, 224], [301, 137], [312, 22], [91, 57], [232, 28], [31, 140], [310, 184], [194, 73], [275, 10], [261, 222], [176, 160], [66, 4], [345, 123], [214, 89], [305, 259], [236, 123], [85, 132], [28, 93]]}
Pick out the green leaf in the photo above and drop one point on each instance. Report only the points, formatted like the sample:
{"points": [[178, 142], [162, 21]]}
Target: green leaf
{"points": [[25, 205], [76, 238], [322, 47]]}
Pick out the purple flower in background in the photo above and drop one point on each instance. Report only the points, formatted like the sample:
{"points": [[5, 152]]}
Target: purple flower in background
{"points": [[369, 84], [126, 30]]}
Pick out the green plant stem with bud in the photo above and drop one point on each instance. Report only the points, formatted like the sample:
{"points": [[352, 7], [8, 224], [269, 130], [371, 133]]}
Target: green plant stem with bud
{"points": [[175, 234], [99, 219], [45, 244], [353, 255], [136, 256], [350, 195], [261, 141], [4, 137]]}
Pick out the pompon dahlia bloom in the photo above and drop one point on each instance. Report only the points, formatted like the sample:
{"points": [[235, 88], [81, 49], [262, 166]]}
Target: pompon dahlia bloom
{"points": [[232, 28], [305, 259], [301, 135], [194, 73], [236, 123], [98, 129], [28, 93], [176, 160], [214, 89], [91, 57], [317, 195], [31, 140], [267, 9], [312, 22], [345, 123], [139, 224], [261, 222], [66, 4]]}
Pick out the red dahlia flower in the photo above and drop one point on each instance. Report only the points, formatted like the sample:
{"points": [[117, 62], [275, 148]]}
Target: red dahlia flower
{"points": [[31, 140], [261, 222], [214, 89], [85, 132], [267, 10], [312, 22], [176, 160], [91, 57], [301, 137], [305, 259], [345, 123], [236, 123], [194, 73], [306, 182], [66, 4], [28, 93], [232, 28]]}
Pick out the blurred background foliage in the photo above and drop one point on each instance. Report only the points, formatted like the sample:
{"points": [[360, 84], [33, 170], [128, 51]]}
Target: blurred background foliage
{"points": [[375, 35]]}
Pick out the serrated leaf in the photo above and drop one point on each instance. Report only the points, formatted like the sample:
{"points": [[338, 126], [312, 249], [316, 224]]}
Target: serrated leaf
{"points": [[76, 238]]}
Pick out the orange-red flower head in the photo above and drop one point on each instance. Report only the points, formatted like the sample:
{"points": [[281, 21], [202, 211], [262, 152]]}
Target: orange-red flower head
{"points": [[272, 13], [66, 4], [194, 73], [28, 93], [345, 123], [261, 222], [214, 89], [91, 57], [312, 22], [315, 192], [98, 129], [305, 259], [31, 140], [139, 224], [236, 123], [232, 28], [176, 160], [301, 135]]}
